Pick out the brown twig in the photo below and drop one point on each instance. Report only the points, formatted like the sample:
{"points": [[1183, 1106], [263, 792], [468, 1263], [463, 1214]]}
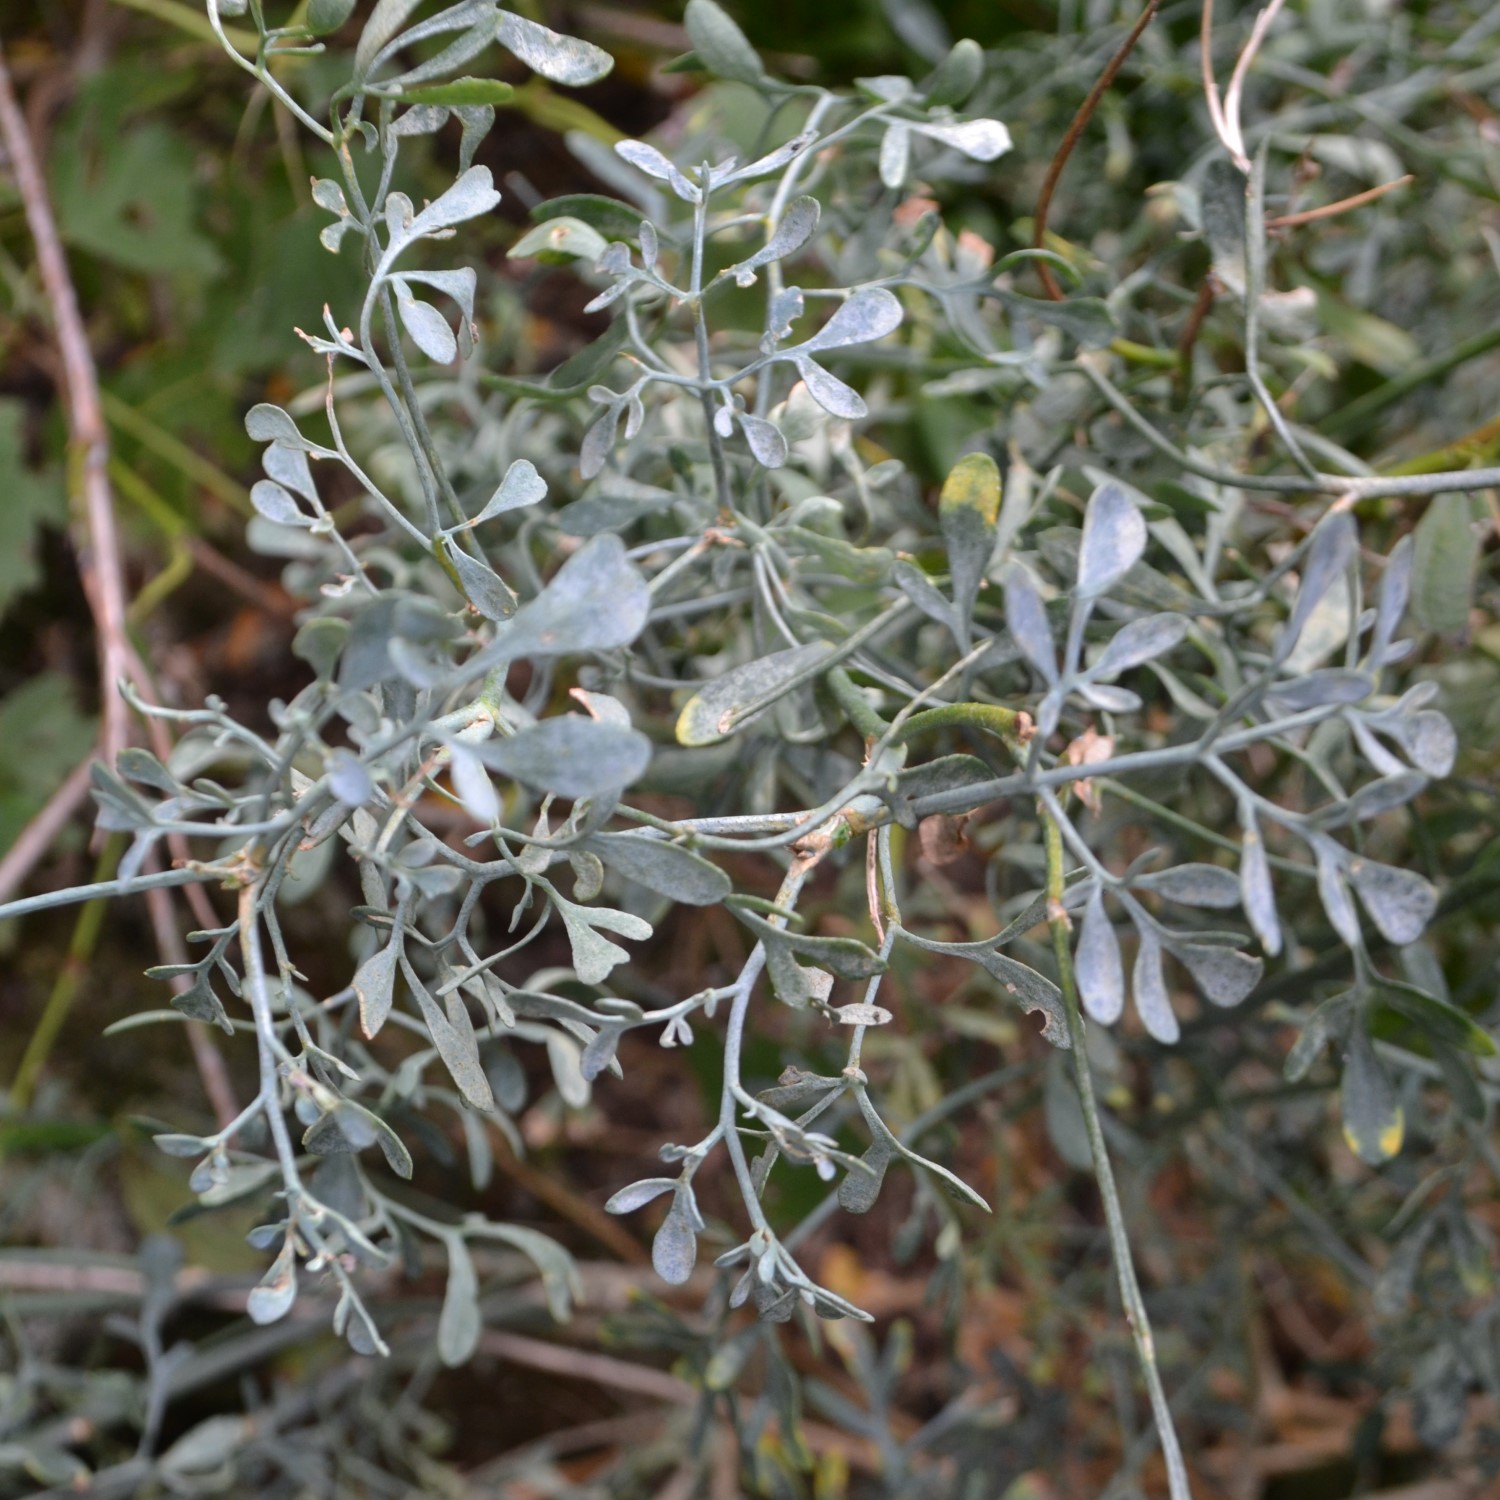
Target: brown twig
{"points": [[1076, 129], [1190, 329], [1328, 210], [38, 836], [100, 565], [99, 549]]}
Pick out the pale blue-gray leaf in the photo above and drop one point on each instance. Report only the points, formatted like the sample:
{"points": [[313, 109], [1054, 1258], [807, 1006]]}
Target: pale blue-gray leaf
{"points": [[674, 1250], [486, 590], [764, 440], [668, 869], [1257, 895], [289, 467], [1149, 989], [792, 233], [1400, 902], [475, 789], [1332, 891], [471, 195], [980, 140], [570, 755], [1140, 641], [639, 1194], [521, 486], [1026, 619], [721, 44], [1099, 967], [1328, 555], [563, 59], [1195, 885], [272, 1299], [895, 154], [597, 601], [460, 1321], [275, 504], [1114, 538], [269, 424], [1225, 975], [427, 328], [867, 315], [830, 392]]}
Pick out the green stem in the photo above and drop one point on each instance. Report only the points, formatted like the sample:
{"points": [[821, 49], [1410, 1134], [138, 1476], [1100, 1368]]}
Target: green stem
{"points": [[1114, 1217], [1003, 723]]}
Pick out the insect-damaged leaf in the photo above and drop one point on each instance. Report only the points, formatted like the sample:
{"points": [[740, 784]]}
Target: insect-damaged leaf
{"points": [[719, 709], [666, 868], [1030, 990], [570, 755], [1374, 1123], [375, 986]]}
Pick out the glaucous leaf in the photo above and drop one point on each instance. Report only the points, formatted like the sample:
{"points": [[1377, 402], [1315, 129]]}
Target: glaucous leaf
{"points": [[674, 1250], [1114, 540], [1374, 1123], [276, 505], [471, 781], [980, 140], [1195, 885], [289, 467], [1400, 902], [1140, 641], [721, 44], [968, 512], [1149, 990], [426, 326], [796, 228], [460, 1322], [957, 76], [563, 59], [895, 154], [325, 16], [859, 1190], [638, 1194], [1257, 895], [1224, 975], [1026, 619], [1446, 553], [1332, 891], [836, 398], [569, 754], [866, 315], [714, 712], [1328, 555], [1100, 970], [472, 194], [764, 440], [596, 601], [483, 586], [375, 986], [668, 869]]}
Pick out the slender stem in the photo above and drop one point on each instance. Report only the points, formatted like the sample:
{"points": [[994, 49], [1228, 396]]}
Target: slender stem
{"points": [[1119, 1241]]}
